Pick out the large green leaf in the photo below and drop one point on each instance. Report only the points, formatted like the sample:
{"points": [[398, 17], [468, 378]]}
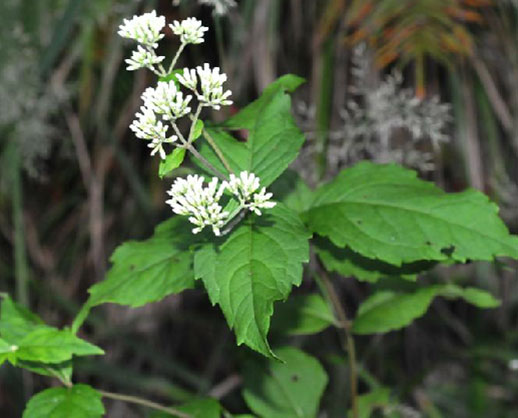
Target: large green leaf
{"points": [[302, 315], [273, 139], [384, 212], [255, 266], [351, 264], [79, 401], [291, 388], [147, 271], [387, 310]]}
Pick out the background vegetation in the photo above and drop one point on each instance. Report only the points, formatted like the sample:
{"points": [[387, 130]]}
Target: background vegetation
{"points": [[75, 182]]}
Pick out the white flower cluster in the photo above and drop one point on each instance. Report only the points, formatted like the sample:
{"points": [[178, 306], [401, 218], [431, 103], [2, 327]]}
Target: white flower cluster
{"points": [[246, 189], [211, 84], [147, 29], [190, 198], [189, 30]]}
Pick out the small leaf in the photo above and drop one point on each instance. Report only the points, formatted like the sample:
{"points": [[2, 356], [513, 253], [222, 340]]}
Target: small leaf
{"points": [[79, 401], [388, 310], [172, 77], [256, 265], [61, 371], [147, 271], [5, 350], [172, 161], [302, 315], [291, 388], [385, 212], [49, 345], [348, 263], [198, 129], [273, 142], [369, 402]]}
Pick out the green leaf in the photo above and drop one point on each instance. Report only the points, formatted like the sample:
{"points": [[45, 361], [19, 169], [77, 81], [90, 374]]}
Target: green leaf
{"points": [[6, 350], [292, 388], [348, 263], [256, 265], [16, 320], [388, 310], [147, 271], [79, 401], [273, 139], [49, 345], [302, 315], [386, 213], [247, 117], [172, 77], [61, 371], [172, 161], [369, 402], [198, 129], [291, 190]]}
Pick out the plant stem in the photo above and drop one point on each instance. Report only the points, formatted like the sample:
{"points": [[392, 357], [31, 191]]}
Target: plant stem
{"points": [[144, 402], [173, 62], [195, 152], [216, 149], [348, 343]]}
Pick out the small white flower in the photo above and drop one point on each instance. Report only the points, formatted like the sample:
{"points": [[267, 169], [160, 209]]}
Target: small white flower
{"points": [[144, 29], [167, 100], [146, 126], [188, 79], [189, 30], [190, 198], [211, 81], [142, 58], [246, 189]]}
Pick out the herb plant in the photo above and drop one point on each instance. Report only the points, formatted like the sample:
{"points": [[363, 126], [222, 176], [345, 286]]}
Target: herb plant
{"points": [[248, 230]]}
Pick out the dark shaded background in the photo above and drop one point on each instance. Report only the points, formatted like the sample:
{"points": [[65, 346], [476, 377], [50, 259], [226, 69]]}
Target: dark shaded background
{"points": [[75, 183]]}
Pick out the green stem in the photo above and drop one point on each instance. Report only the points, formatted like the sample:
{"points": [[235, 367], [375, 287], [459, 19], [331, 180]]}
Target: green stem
{"points": [[348, 343], [144, 402], [20, 256], [216, 149], [175, 59], [195, 152]]}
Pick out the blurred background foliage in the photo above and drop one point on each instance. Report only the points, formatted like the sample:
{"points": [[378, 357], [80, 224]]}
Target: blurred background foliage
{"points": [[431, 84]]}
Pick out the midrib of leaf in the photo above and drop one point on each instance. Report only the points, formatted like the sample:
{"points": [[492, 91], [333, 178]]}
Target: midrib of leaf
{"points": [[411, 210]]}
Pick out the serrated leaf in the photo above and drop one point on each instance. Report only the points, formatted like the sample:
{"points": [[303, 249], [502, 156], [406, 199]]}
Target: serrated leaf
{"points": [[79, 401], [385, 212], [348, 263], [256, 265], [388, 310], [172, 161], [302, 315], [16, 320], [291, 388], [273, 141], [147, 271], [49, 345]]}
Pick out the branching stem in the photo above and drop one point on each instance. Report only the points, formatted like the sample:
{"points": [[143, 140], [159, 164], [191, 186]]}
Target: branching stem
{"points": [[144, 402]]}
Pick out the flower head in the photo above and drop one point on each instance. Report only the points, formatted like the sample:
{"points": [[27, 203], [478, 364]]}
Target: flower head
{"points": [[147, 126], [188, 78], [189, 30], [143, 58], [167, 100], [212, 87], [190, 198], [144, 29], [247, 189]]}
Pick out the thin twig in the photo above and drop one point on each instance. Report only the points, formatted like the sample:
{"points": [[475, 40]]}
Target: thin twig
{"points": [[173, 62], [216, 149], [348, 344], [144, 402]]}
